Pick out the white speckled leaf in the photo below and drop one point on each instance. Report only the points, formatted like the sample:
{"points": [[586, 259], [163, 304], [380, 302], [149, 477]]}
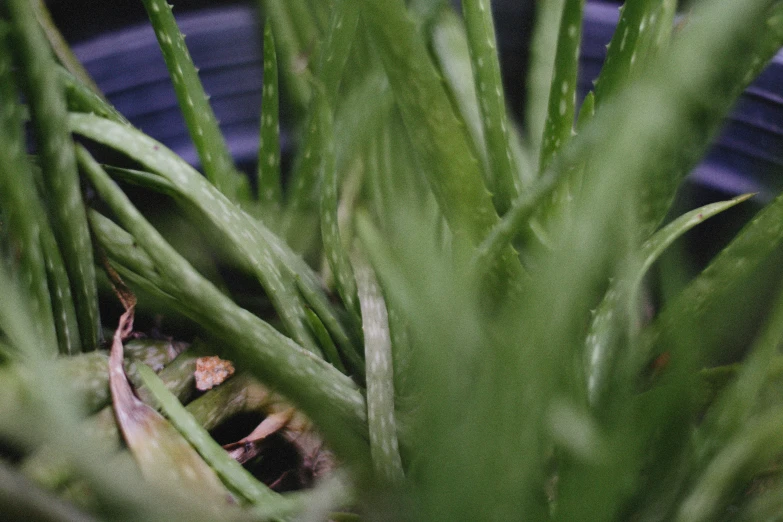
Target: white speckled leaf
{"points": [[63, 199], [492, 103], [380, 375], [610, 320], [327, 396], [644, 27], [562, 92], [193, 102], [239, 229], [270, 190]]}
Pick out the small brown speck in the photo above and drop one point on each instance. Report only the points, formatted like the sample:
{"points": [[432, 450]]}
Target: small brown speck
{"points": [[211, 371]]}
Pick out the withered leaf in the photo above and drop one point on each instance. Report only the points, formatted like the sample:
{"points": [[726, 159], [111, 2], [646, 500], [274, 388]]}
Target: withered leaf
{"points": [[161, 453]]}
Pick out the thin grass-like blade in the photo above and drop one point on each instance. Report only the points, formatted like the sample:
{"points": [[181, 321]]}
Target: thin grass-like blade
{"points": [[270, 191], [334, 249], [63, 195], [562, 94], [494, 117], [644, 28], [22, 209], [200, 119], [543, 49]]}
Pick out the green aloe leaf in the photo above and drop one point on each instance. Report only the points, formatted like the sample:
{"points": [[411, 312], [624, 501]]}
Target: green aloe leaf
{"points": [[747, 452], [334, 248], [362, 110], [22, 209], [662, 239], [63, 196], [295, 34], [671, 112], [64, 312], [489, 87], [322, 392], [436, 134], [339, 39], [121, 246], [730, 66], [334, 327], [241, 231], [586, 111], [739, 403], [609, 323], [269, 183], [562, 94], [644, 28], [307, 282], [380, 375], [327, 345], [303, 197], [503, 234], [81, 98], [754, 243], [450, 47], [199, 117], [61, 48], [543, 49]]}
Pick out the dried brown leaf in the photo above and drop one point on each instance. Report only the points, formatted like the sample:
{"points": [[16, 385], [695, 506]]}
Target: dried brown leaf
{"points": [[161, 453]]}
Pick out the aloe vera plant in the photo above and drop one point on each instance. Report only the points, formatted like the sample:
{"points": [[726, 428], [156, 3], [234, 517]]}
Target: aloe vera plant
{"points": [[447, 315]]}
